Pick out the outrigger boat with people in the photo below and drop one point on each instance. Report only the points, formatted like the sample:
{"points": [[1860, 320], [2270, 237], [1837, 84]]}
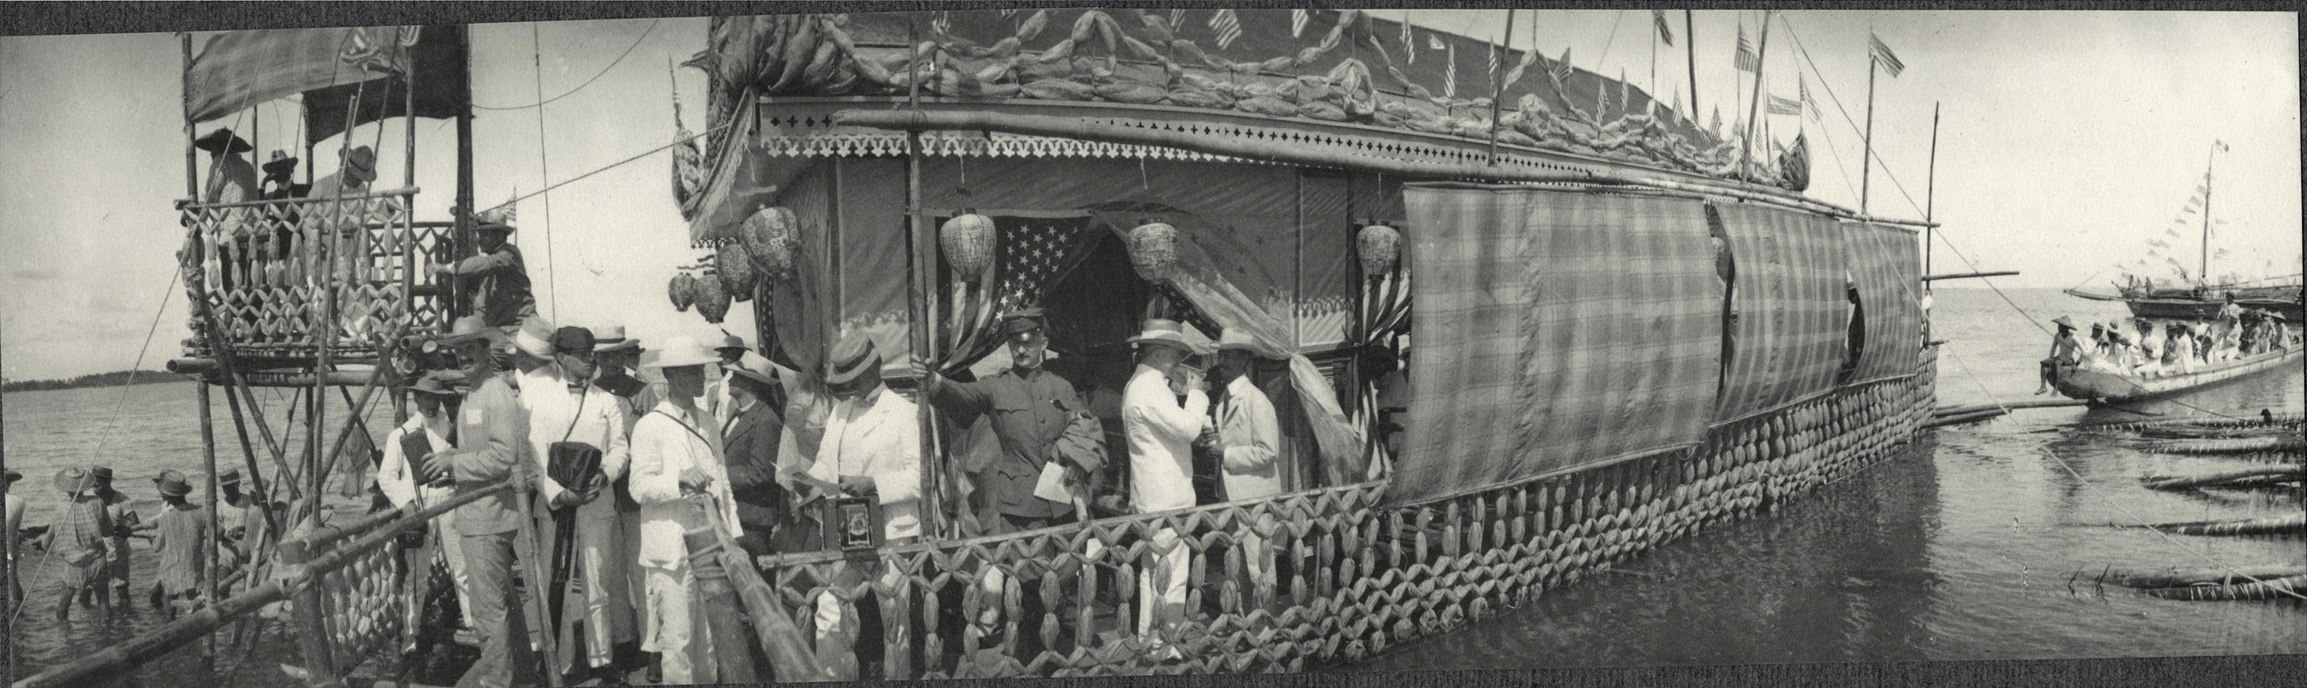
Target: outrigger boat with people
{"points": [[1629, 326], [2283, 296]]}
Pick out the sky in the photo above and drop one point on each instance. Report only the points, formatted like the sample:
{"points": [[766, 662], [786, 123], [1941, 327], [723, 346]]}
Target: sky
{"points": [[2066, 141]]}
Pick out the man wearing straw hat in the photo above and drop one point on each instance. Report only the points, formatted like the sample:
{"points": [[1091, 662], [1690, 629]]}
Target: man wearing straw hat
{"points": [[871, 448], [77, 541], [1250, 438], [1161, 433], [2066, 351], [496, 279], [716, 396], [123, 524], [492, 434], [615, 354], [227, 169], [181, 539], [750, 439], [567, 418], [679, 479], [426, 431]]}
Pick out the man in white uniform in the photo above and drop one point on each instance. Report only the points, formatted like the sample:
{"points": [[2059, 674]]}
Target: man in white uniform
{"points": [[1250, 437], [1161, 434]]}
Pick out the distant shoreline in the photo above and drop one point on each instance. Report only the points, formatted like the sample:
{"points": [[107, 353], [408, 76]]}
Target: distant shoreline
{"points": [[111, 379]]}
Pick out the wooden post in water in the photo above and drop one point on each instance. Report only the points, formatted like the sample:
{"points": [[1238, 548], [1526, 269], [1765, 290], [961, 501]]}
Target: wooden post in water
{"points": [[208, 454]]}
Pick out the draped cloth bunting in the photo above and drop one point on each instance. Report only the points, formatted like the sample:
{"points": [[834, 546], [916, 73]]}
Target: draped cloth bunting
{"points": [[1030, 254], [1794, 316], [1201, 280], [236, 70], [1887, 267], [1556, 330]]}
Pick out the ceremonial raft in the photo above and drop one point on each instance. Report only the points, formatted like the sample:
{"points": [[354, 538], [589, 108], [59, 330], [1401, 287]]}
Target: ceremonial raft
{"points": [[1627, 328]]}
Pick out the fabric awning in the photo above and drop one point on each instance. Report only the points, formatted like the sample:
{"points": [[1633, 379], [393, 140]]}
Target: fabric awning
{"points": [[1555, 330], [237, 70]]}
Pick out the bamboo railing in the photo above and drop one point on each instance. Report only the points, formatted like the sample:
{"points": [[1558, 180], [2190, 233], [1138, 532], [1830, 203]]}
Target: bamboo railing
{"points": [[263, 267]]}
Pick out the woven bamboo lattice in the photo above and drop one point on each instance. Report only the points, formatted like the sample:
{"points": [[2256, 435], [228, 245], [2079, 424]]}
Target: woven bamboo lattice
{"points": [[264, 266], [1351, 578], [358, 610]]}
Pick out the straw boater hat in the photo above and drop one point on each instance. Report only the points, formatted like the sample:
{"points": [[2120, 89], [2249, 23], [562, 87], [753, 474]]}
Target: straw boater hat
{"points": [[1236, 339], [682, 351], [2061, 321], [753, 367], [611, 337], [74, 481], [172, 483], [229, 476], [360, 163], [1166, 332], [535, 337], [216, 142], [472, 327], [851, 359]]}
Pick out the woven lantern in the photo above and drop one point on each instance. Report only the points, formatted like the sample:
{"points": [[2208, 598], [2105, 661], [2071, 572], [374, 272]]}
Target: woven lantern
{"points": [[712, 299], [1153, 251], [771, 236], [736, 266], [968, 242], [683, 291], [1380, 247]]}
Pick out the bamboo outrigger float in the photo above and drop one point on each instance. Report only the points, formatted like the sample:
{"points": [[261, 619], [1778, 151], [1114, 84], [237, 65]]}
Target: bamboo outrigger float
{"points": [[1276, 176]]}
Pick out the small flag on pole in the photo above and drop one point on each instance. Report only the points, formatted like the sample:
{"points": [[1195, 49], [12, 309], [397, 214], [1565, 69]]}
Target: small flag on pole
{"points": [[1714, 122], [1298, 21], [1227, 26], [1409, 42], [2222, 149], [1658, 19], [1784, 106], [1494, 60], [1746, 59], [1450, 73], [1625, 92], [1561, 71], [1433, 42], [1803, 86], [1883, 55]]}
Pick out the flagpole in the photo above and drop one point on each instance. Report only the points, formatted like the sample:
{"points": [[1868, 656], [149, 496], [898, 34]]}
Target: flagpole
{"points": [[1746, 156], [1866, 158], [2203, 267], [1690, 49], [1930, 190], [1498, 86]]}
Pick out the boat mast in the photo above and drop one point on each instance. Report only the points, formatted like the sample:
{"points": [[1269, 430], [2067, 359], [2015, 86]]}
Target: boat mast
{"points": [[1930, 191], [1690, 51], [1866, 156], [2203, 260]]}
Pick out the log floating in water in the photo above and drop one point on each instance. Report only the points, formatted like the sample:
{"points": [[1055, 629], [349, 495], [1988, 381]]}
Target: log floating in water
{"points": [[2253, 476], [1958, 419], [2243, 445], [2264, 589], [2281, 525], [1944, 411], [2178, 577]]}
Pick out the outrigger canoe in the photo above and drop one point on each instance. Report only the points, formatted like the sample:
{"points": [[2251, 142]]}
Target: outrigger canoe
{"points": [[2099, 386]]}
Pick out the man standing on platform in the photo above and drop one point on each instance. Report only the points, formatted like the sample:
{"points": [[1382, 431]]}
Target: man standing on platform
{"points": [[1161, 433], [425, 432], [679, 479], [1250, 437], [615, 354], [871, 448], [492, 435], [751, 437], [570, 410], [496, 281], [716, 396]]}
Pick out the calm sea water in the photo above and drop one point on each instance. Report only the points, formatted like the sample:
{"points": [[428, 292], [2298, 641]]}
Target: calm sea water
{"points": [[1963, 549]]}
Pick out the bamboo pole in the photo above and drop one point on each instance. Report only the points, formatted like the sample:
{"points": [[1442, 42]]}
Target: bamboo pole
{"points": [[1078, 128], [1866, 156], [1690, 50], [922, 259], [208, 455], [1754, 105], [462, 237], [191, 154], [1930, 189]]}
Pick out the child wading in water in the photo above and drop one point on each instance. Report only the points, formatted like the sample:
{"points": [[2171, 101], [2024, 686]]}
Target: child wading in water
{"points": [[77, 541]]}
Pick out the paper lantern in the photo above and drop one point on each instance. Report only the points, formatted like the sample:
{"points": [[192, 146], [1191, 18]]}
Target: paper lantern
{"points": [[1153, 251], [712, 299], [1380, 247], [683, 291], [735, 265], [772, 237], [968, 242]]}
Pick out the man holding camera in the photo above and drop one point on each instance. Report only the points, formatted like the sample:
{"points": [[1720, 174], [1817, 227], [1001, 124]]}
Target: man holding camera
{"points": [[577, 436]]}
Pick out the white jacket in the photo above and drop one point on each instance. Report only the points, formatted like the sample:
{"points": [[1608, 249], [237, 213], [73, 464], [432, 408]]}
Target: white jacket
{"points": [[593, 417], [878, 436], [1252, 439], [397, 477], [666, 442], [1161, 436]]}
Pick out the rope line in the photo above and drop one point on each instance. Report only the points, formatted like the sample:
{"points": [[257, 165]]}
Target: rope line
{"points": [[545, 170], [2040, 447], [542, 101], [614, 165], [1825, 84]]}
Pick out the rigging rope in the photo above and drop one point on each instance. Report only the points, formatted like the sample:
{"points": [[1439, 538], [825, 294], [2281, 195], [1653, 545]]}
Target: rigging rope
{"points": [[1871, 155], [2040, 447], [614, 165], [542, 101], [545, 170]]}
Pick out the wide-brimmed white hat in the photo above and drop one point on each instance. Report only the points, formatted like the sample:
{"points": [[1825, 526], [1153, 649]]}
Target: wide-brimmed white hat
{"points": [[611, 337], [1236, 339], [681, 351], [1159, 331], [535, 337]]}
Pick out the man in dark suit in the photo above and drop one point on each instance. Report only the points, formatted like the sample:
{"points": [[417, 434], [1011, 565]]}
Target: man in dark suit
{"points": [[749, 439]]}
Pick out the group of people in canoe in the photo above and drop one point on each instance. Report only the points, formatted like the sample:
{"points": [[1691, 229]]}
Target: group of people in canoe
{"points": [[2146, 348]]}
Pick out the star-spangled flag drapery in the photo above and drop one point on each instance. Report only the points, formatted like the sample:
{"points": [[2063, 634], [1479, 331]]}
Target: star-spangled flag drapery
{"points": [[1298, 21], [1780, 105], [1494, 61], [1037, 250], [1883, 55], [1658, 19], [1228, 27], [1450, 73], [1746, 59]]}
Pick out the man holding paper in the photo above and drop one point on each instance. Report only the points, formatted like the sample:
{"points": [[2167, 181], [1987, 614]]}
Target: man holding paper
{"points": [[1030, 409]]}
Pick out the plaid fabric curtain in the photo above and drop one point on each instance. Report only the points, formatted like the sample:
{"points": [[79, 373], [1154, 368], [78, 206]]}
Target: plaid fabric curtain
{"points": [[1884, 262], [1792, 306], [1555, 330]]}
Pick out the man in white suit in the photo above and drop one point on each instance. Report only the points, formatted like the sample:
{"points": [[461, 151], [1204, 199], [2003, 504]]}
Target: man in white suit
{"points": [[1250, 437], [679, 481], [572, 409], [1161, 434], [871, 447]]}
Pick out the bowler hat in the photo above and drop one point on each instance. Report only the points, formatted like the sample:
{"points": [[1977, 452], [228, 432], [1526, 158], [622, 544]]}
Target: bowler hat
{"points": [[852, 359], [217, 141]]}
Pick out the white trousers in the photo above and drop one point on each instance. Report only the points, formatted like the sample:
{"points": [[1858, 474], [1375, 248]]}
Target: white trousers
{"points": [[1163, 580], [676, 634], [603, 587]]}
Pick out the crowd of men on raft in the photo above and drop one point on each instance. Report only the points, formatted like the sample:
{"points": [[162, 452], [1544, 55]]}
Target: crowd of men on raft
{"points": [[2145, 348], [730, 443]]}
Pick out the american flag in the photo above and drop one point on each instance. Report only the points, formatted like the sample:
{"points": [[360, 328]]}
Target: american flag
{"points": [[1658, 19], [1228, 27], [1298, 21], [1625, 92], [1450, 73], [1409, 42], [1494, 61], [1560, 72], [1032, 252], [1780, 105], [1747, 60], [1883, 55], [376, 48]]}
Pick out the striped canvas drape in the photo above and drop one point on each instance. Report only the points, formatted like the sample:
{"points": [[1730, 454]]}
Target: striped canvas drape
{"points": [[1555, 330], [1792, 305], [1884, 262]]}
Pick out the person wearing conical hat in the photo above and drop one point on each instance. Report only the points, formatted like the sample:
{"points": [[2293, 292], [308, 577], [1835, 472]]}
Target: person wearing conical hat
{"points": [[492, 436], [2066, 351], [679, 480], [77, 541], [231, 179], [495, 278], [426, 431], [1161, 432], [180, 538]]}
